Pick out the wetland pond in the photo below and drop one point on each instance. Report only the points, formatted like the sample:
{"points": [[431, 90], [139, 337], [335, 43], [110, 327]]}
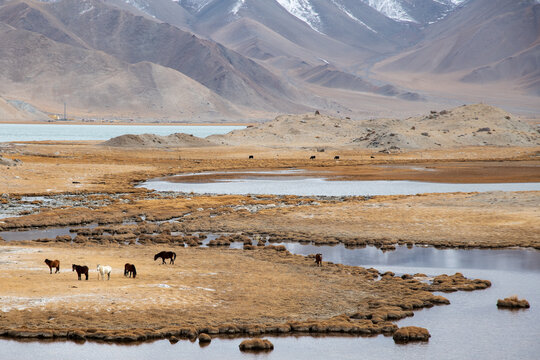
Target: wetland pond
{"points": [[302, 183], [470, 327]]}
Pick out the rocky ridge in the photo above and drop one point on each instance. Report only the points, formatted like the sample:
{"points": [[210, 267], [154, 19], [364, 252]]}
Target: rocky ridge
{"points": [[467, 125]]}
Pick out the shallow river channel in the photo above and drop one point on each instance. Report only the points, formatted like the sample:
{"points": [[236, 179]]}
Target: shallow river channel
{"points": [[470, 327]]}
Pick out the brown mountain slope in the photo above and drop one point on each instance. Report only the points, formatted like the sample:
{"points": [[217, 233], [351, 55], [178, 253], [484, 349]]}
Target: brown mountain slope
{"points": [[483, 32], [135, 39], [522, 68], [46, 73], [92, 24], [487, 40], [19, 111]]}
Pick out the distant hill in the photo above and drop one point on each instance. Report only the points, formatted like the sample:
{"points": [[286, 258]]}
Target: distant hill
{"points": [[46, 73], [157, 141], [471, 125], [106, 60]]}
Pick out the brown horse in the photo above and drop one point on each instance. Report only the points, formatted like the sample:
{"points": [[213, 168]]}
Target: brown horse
{"points": [[165, 255], [80, 270], [318, 259], [53, 264], [129, 269]]}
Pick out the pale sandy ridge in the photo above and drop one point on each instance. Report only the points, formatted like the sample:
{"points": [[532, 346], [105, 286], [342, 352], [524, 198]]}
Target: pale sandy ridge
{"points": [[151, 140], [470, 125]]}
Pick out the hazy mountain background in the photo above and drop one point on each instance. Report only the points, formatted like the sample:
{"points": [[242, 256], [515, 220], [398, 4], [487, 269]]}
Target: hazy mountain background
{"points": [[204, 60]]}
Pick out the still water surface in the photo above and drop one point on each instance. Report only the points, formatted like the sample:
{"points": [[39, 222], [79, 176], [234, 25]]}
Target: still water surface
{"points": [[470, 328], [61, 132], [295, 182]]}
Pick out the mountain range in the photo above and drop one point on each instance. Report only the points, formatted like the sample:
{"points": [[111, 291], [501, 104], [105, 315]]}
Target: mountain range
{"points": [[248, 59]]}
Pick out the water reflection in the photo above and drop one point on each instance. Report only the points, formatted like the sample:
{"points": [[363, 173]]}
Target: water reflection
{"points": [[315, 186], [425, 257]]}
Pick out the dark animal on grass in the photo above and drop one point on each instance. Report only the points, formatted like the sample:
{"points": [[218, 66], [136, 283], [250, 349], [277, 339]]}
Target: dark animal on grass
{"points": [[318, 259], [53, 264], [166, 255], [250, 156], [129, 269], [80, 270], [336, 157], [312, 157]]}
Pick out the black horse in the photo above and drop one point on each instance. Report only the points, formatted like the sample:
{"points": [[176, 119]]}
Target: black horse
{"points": [[166, 255], [318, 259], [129, 269], [80, 270]]}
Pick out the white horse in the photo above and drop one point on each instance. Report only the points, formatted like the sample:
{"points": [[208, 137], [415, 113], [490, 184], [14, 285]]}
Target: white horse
{"points": [[104, 270]]}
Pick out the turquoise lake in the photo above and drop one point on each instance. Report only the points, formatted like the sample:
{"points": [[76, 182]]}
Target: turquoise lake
{"points": [[61, 132]]}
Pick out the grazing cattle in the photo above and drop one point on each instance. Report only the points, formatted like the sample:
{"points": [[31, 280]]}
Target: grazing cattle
{"points": [[129, 269], [336, 157], [80, 270], [165, 255], [251, 156], [104, 269], [318, 259], [373, 157], [53, 264], [312, 157]]}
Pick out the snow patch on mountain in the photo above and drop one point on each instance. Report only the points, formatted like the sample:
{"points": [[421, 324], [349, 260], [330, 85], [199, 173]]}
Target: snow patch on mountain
{"points": [[303, 10], [391, 9], [86, 9], [349, 14], [141, 5], [237, 6], [194, 5]]}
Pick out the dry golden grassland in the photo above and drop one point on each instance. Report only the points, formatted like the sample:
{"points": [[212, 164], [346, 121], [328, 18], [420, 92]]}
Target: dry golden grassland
{"points": [[223, 291]]}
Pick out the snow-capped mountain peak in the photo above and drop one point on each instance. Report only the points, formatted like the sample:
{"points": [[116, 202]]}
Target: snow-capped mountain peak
{"points": [[391, 9], [304, 11]]}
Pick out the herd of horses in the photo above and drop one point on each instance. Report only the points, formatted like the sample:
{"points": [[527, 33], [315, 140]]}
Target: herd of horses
{"points": [[129, 269], [102, 270]]}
